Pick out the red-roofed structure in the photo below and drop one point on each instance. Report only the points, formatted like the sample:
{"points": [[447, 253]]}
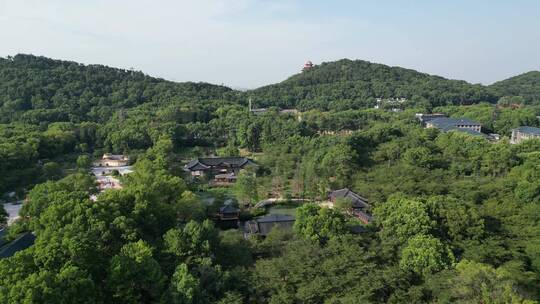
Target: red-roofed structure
{"points": [[307, 66]]}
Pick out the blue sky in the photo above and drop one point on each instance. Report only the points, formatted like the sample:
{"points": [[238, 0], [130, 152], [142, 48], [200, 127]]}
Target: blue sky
{"points": [[249, 43]]}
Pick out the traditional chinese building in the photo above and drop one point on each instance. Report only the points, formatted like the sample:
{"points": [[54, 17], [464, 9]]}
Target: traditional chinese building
{"points": [[523, 133], [112, 160], [226, 168], [359, 205], [307, 66], [228, 211]]}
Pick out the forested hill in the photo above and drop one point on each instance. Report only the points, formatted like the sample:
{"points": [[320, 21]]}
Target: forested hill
{"points": [[355, 84], [37, 89], [526, 85]]}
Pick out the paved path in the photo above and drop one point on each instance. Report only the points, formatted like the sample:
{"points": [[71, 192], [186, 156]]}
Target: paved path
{"points": [[13, 210], [105, 180]]}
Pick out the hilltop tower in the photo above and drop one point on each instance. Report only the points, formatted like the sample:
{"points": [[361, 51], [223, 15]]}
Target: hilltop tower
{"points": [[307, 66]]}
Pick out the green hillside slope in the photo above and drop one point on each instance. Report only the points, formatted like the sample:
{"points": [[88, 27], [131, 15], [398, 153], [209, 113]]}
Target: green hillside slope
{"points": [[526, 85], [355, 84], [36, 89]]}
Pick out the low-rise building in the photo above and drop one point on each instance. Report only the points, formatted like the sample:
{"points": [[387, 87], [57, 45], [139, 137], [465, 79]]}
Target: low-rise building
{"points": [[423, 118], [446, 124], [344, 132], [360, 207], [523, 133], [224, 179], [357, 201], [226, 168], [112, 160], [307, 66], [229, 212]]}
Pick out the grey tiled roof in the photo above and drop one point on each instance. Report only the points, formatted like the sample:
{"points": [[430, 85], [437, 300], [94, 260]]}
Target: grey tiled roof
{"points": [[208, 162], [265, 224], [364, 217], [447, 123], [357, 200], [228, 209], [529, 130], [469, 131]]}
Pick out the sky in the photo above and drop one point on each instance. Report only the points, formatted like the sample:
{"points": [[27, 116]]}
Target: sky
{"points": [[251, 43]]}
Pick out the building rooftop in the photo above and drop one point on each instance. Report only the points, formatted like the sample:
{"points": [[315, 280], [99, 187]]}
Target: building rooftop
{"points": [[265, 224], [469, 131], [357, 200], [114, 156], [424, 117], [447, 123], [529, 130], [208, 162], [362, 216], [228, 209], [226, 175]]}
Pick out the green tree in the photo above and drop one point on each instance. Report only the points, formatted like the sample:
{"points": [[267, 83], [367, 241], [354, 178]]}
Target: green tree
{"points": [[307, 273], [420, 157], [84, 162], [475, 282], [234, 250], [425, 255], [190, 207], [161, 152], [245, 188], [228, 151], [232, 298], [134, 275], [319, 224], [403, 218], [192, 243], [184, 287], [70, 284], [77, 186], [52, 171]]}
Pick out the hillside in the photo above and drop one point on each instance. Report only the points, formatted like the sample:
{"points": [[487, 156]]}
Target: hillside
{"points": [[37, 89], [50, 109], [417, 215], [526, 85], [347, 83]]}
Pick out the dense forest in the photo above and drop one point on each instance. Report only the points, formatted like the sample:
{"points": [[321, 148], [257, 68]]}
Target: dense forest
{"points": [[455, 216], [347, 84], [525, 85]]}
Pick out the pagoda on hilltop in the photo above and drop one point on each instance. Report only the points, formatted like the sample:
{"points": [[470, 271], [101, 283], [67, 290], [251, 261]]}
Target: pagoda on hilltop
{"points": [[307, 66]]}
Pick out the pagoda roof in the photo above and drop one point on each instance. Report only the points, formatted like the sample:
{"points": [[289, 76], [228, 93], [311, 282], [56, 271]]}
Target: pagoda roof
{"points": [[209, 162], [357, 200]]}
